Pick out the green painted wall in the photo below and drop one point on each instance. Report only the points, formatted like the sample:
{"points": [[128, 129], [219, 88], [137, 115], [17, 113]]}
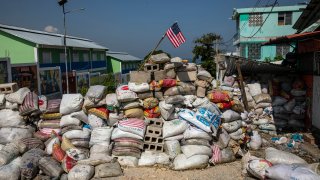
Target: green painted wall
{"points": [[115, 65], [19, 50]]}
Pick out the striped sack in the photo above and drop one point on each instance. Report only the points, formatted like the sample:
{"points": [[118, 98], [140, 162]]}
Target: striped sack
{"points": [[29, 105], [53, 106], [133, 125], [216, 154], [126, 151], [128, 142]]}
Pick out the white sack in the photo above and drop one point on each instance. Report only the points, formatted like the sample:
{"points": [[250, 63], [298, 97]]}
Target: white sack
{"points": [[71, 103], [281, 157], [191, 150], [181, 162], [174, 127]]}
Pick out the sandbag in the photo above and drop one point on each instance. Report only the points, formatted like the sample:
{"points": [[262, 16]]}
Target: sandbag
{"points": [[262, 98], [126, 151], [100, 112], [68, 163], [50, 167], [202, 118], [281, 157], [112, 101], [177, 99], [131, 104], [232, 126], [228, 80], [128, 142], [166, 109], [217, 96], [258, 167], [96, 159], [96, 93], [101, 135], [174, 127], [191, 150], [138, 87], [193, 132], [71, 103], [80, 115], [182, 89], [106, 170], [152, 113], [118, 133], [81, 134], [150, 158], [101, 148], [285, 171], [204, 75], [81, 172], [114, 118], [134, 113], [296, 92], [181, 162], [53, 106], [32, 143], [30, 104], [2, 101], [128, 161], [256, 141], [8, 152], [145, 95], [159, 58], [11, 171], [68, 120], [8, 135], [230, 115], [9, 118], [30, 163], [18, 96], [95, 121], [237, 135], [133, 125], [150, 103], [124, 94], [172, 148], [254, 89], [195, 141], [268, 127], [226, 156], [290, 105], [279, 101]]}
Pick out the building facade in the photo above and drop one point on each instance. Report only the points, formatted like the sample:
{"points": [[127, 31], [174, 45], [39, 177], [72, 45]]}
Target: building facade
{"points": [[122, 62], [258, 25], [31, 51]]}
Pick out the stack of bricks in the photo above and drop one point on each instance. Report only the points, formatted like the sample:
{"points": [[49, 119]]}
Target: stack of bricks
{"points": [[153, 140], [8, 88]]}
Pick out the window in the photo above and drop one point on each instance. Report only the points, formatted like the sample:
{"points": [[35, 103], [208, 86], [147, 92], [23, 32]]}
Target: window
{"points": [[85, 57], [75, 57], [282, 50], [102, 57], [94, 56], [62, 58], [284, 18], [254, 51], [47, 59], [255, 19]]}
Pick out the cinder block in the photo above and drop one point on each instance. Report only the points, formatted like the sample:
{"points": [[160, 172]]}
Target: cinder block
{"points": [[140, 76], [151, 67], [154, 131], [159, 75], [155, 122], [187, 76], [8, 88], [153, 140], [153, 147]]}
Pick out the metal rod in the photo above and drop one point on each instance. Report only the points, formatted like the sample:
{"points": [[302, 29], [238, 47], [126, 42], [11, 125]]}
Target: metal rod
{"points": [[65, 47], [242, 88]]}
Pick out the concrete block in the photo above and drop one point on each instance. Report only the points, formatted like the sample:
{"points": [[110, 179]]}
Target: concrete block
{"points": [[154, 131], [151, 67], [8, 88], [159, 75], [157, 122], [140, 76], [153, 147], [153, 140], [187, 76], [307, 137]]}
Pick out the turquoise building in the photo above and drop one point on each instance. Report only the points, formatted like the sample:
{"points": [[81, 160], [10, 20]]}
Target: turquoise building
{"points": [[257, 25]]}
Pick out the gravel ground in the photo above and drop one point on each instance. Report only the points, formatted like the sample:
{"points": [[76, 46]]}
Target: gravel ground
{"points": [[226, 171]]}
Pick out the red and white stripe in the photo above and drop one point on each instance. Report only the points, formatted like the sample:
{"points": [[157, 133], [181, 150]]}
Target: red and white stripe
{"points": [[216, 154]]}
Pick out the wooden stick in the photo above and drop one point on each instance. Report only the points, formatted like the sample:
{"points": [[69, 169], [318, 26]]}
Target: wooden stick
{"points": [[146, 60], [243, 92]]}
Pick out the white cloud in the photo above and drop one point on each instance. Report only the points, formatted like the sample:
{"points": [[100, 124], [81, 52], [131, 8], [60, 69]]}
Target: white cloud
{"points": [[51, 29]]}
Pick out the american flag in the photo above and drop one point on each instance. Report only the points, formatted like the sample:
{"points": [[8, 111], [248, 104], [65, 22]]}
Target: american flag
{"points": [[175, 35]]}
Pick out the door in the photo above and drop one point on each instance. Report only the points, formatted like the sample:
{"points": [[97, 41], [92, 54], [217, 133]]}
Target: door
{"points": [[316, 102]]}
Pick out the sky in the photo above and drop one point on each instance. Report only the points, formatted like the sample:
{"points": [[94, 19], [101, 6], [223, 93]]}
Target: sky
{"points": [[132, 26]]}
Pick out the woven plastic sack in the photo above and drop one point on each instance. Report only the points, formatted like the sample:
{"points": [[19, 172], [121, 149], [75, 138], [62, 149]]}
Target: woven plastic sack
{"points": [[96, 93], [150, 158], [128, 161], [133, 125], [29, 105], [177, 99], [68, 120], [8, 135], [126, 151], [8, 153], [150, 103], [134, 113], [191, 150], [106, 170], [262, 98], [258, 167], [281, 157], [230, 115], [166, 109], [18, 96], [172, 148], [50, 167], [182, 89], [193, 132], [30, 163], [204, 75], [81, 172], [77, 134], [71, 103], [217, 96], [138, 87], [254, 89], [159, 58], [118, 133], [131, 104], [255, 141], [68, 163], [101, 135], [95, 121], [2, 101], [112, 101], [11, 171], [228, 81], [152, 113], [124, 94], [174, 127], [9, 118], [232, 126], [279, 101], [181, 162], [285, 171]]}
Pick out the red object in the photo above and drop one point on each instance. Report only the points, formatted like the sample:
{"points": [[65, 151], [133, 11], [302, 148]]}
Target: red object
{"points": [[152, 113], [219, 96], [169, 82], [57, 153], [68, 163], [175, 35], [225, 105], [292, 37]]}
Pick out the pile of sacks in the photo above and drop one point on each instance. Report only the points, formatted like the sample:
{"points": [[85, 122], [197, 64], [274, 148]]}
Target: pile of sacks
{"points": [[280, 165]]}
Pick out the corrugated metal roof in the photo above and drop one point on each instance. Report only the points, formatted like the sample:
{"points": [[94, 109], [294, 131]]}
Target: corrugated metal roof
{"points": [[292, 37], [123, 56], [51, 39], [309, 15]]}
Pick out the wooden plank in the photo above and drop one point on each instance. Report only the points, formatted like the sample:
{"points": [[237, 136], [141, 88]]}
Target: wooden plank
{"points": [[243, 92]]}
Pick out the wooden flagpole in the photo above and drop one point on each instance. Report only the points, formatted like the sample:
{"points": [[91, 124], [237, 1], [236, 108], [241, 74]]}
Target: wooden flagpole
{"points": [[146, 60]]}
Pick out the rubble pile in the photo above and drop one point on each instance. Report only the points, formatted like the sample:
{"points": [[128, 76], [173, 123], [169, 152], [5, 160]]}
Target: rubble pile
{"points": [[172, 114]]}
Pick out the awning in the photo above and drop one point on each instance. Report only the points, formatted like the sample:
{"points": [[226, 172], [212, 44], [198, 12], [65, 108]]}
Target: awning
{"points": [[293, 37]]}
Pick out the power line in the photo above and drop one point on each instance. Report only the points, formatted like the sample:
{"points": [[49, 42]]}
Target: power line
{"points": [[274, 4]]}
